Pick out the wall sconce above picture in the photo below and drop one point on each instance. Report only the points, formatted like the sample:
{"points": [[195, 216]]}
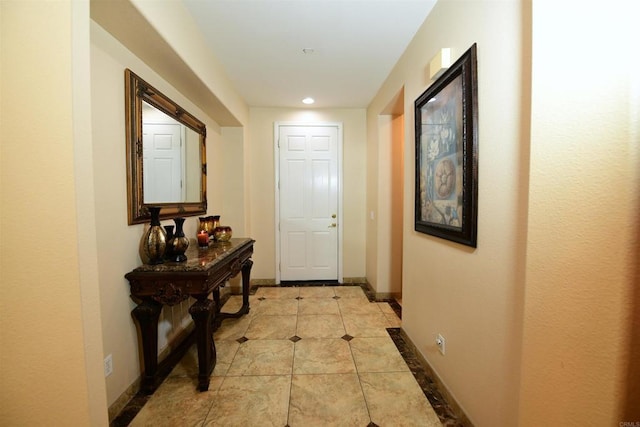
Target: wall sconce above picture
{"points": [[440, 63]]}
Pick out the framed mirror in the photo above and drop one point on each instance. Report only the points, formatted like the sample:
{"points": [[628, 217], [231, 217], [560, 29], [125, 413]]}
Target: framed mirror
{"points": [[166, 155]]}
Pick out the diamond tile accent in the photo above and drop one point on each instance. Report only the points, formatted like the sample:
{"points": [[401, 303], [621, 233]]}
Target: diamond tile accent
{"points": [[254, 359]]}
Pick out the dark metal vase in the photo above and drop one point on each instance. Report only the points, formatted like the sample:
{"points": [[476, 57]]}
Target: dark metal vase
{"points": [[154, 242], [178, 244], [168, 253]]}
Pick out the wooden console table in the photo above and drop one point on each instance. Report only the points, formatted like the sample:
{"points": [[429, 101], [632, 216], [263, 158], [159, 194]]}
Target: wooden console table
{"points": [[204, 272]]}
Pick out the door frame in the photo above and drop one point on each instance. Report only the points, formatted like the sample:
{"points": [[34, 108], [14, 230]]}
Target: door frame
{"points": [[276, 134]]}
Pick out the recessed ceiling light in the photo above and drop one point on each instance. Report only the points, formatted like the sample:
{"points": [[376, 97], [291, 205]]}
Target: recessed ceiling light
{"points": [[307, 51], [308, 101]]}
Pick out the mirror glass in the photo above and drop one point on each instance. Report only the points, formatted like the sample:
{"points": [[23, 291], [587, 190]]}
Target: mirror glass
{"points": [[166, 156], [171, 159]]}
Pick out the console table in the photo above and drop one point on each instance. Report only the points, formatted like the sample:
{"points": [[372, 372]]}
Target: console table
{"points": [[203, 273]]}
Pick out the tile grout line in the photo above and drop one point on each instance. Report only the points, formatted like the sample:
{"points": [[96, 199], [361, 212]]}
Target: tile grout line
{"points": [[389, 329], [293, 360]]}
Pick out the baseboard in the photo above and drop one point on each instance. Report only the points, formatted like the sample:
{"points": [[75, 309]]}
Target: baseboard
{"points": [[354, 280], [380, 296], [121, 402], [453, 404], [263, 282], [272, 282], [167, 360]]}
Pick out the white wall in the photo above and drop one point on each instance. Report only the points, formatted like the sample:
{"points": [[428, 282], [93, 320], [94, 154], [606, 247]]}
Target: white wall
{"points": [[262, 183], [471, 296]]}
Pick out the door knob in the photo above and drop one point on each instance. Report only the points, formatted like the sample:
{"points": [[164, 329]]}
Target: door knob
{"points": [[333, 216], [333, 225]]}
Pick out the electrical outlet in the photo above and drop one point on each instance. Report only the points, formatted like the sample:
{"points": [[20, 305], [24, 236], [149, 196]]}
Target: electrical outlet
{"points": [[440, 343], [108, 366]]}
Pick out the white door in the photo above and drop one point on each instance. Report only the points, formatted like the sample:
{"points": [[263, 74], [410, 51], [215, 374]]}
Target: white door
{"points": [[162, 163], [308, 202]]}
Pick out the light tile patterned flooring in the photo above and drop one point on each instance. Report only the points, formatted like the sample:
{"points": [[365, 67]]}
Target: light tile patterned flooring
{"points": [[303, 356]]}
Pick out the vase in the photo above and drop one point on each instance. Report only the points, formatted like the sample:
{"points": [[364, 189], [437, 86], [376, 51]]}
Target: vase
{"points": [[179, 243], [209, 223], [154, 242], [205, 224], [222, 233], [168, 252], [216, 221]]}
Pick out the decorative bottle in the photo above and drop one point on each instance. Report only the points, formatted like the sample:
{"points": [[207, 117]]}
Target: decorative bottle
{"points": [[168, 252], [179, 243], [154, 242]]}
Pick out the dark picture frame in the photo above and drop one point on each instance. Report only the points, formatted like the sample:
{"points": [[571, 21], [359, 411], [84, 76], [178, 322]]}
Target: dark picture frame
{"points": [[446, 170]]}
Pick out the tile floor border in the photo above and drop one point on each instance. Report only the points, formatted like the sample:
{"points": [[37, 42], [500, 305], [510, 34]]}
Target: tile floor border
{"points": [[423, 374], [448, 410]]}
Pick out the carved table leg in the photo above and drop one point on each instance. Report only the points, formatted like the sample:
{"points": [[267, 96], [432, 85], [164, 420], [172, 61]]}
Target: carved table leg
{"points": [[216, 298], [201, 312], [246, 285], [147, 313]]}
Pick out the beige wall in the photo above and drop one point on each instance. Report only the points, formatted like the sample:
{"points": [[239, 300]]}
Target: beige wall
{"points": [[471, 296], [175, 47], [385, 214], [118, 242], [230, 159], [262, 183], [50, 313], [524, 314], [178, 30], [574, 288], [582, 250]]}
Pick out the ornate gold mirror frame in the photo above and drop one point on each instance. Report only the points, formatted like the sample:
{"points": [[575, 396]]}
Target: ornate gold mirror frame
{"points": [[137, 93]]}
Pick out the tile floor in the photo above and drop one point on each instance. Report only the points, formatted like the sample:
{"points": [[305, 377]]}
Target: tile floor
{"points": [[303, 356]]}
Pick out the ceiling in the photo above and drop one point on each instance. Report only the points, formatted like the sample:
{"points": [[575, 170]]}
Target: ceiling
{"points": [[354, 45]]}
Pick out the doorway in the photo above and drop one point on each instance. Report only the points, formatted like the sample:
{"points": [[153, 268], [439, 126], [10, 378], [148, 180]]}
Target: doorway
{"points": [[388, 225], [308, 201], [163, 162]]}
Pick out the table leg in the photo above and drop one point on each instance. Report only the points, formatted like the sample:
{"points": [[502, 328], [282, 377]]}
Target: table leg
{"points": [[216, 298], [201, 312], [147, 314], [246, 286]]}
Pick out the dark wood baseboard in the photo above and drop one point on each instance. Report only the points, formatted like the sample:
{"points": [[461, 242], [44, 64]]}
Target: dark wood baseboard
{"points": [[440, 388]]}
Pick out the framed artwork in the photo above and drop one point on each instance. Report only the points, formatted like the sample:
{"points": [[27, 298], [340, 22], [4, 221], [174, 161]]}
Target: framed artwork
{"points": [[446, 130]]}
